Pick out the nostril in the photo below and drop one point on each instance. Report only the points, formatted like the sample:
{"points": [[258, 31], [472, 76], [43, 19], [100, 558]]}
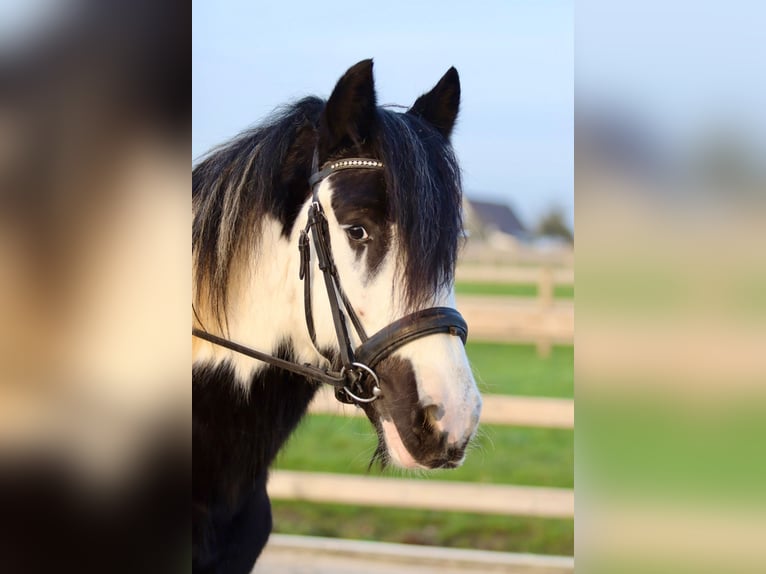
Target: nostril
{"points": [[425, 421], [433, 414]]}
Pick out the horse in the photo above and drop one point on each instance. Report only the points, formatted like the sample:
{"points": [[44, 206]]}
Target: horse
{"points": [[368, 199]]}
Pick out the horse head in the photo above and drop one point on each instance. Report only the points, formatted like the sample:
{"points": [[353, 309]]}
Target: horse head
{"points": [[394, 233], [379, 194]]}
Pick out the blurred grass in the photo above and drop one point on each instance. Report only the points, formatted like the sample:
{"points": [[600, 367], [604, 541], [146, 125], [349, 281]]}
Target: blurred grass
{"points": [[706, 452], [510, 289], [517, 370], [506, 455], [454, 529]]}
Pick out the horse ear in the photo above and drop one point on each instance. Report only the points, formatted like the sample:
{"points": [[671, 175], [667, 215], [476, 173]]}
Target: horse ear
{"points": [[439, 107], [349, 115]]}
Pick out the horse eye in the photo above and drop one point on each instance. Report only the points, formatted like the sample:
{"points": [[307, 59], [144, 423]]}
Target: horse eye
{"points": [[357, 233]]}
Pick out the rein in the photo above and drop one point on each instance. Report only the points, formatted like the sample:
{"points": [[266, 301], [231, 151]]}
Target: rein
{"points": [[358, 364]]}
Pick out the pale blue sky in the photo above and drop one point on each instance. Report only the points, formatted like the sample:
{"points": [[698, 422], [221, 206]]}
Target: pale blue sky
{"points": [[515, 59], [679, 68]]}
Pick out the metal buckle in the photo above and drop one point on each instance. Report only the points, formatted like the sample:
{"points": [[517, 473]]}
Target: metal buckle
{"points": [[376, 392], [305, 250]]}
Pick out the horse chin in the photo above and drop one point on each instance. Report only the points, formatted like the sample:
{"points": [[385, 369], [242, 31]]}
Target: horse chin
{"points": [[392, 450], [397, 452]]}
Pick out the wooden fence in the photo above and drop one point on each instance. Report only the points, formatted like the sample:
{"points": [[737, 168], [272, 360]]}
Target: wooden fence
{"points": [[289, 554], [439, 495], [545, 277], [542, 320], [443, 495], [497, 409]]}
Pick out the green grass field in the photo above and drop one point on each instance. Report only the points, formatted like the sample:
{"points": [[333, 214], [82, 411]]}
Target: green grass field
{"points": [[500, 455], [510, 289], [455, 529], [517, 370]]}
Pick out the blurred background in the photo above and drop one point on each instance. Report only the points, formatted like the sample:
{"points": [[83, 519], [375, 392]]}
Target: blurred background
{"points": [[94, 252], [670, 180], [515, 280]]}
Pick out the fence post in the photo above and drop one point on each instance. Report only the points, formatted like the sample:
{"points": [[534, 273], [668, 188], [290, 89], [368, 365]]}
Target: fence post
{"points": [[545, 287], [545, 302]]}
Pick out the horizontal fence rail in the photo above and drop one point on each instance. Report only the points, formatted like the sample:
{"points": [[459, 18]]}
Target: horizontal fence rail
{"points": [[543, 320], [496, 409], [423, 494], [516, 319], [302, 554], [514, 254], [504, 274]]}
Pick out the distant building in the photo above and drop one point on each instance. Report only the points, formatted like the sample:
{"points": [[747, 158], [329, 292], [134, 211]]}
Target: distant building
{"points": [[494, 223]]}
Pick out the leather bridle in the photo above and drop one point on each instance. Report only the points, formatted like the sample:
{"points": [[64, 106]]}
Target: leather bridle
{"points": [[357, 365]]}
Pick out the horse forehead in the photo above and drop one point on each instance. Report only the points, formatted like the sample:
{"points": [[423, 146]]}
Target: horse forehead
{"points": [[359, 191]]}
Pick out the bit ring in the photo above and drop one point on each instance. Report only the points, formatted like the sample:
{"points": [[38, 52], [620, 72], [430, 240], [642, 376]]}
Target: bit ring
{"points": [[376, 392]]}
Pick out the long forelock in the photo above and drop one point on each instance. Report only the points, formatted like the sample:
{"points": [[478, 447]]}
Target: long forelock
{"points": [[424, 190]]}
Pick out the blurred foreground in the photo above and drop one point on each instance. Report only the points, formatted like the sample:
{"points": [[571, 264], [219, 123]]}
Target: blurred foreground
{"points": [[94, 254]]}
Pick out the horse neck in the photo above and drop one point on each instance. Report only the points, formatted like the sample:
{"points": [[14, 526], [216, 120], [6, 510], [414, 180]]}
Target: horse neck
{"points": [[264, 307], [243, 406]]}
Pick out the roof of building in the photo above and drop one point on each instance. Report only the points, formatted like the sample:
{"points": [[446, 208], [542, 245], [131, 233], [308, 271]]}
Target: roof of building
{"points": [[498, 216]]}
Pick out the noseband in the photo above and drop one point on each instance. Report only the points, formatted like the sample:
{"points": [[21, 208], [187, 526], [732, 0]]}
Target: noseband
{"points": [[357, 365]]}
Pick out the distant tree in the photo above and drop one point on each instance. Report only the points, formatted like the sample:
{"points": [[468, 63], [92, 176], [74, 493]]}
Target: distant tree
{"points": [[725, 158], [552, 224]]}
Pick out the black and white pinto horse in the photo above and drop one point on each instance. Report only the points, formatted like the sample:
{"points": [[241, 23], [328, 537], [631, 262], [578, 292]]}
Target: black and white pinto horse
{"points": [[393, 228]]}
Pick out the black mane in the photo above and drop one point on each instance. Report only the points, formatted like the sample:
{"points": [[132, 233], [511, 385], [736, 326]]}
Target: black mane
{"points": [[265, 171], [424, 190]]}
